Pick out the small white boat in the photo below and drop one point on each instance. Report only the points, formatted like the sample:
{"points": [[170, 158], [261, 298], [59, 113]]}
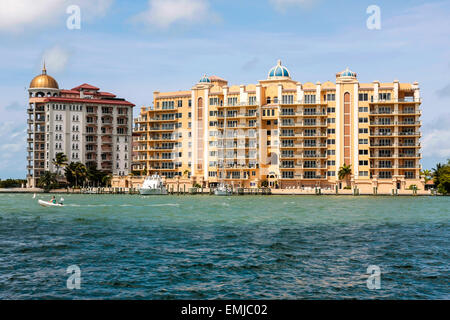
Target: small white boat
{"points": [[153, 185], [222, 190], [49, 204]]}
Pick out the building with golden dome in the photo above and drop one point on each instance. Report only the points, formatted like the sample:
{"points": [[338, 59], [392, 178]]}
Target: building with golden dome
{"points": [[84, 123], [284, 133], [44, 82]]}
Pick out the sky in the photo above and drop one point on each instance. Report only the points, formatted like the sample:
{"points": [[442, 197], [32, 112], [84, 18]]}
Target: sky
{"points": [[133, 48]]}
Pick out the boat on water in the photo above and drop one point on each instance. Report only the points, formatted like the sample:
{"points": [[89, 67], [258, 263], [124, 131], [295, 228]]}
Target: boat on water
{"points": [[222, 190], [153, 185], [49, 204]]}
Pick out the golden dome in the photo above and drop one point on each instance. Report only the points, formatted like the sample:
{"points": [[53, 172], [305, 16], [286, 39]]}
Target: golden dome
{"points": [[44, 81]]}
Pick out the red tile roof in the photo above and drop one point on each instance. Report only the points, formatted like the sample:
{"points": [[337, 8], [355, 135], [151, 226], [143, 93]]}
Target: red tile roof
{"points": [[69, 91], [85, 86], [106, 94], [89, 101]]}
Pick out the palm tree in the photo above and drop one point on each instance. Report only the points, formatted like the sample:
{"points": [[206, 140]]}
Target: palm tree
{"points": [[107, 180], [59, 161], [437, 173], [47, 180], [94, 176], [186, 172], [427, 175], [76, 172], [344, 172]]}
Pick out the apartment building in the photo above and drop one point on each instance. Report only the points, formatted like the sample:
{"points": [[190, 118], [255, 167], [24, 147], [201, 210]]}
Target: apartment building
{"points": [[86, 124], [287, 133]]}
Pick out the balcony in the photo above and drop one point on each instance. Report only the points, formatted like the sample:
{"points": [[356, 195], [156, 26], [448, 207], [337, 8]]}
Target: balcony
{"points": [[377, 155], [409, 123], [408, 144], [407, 166], [380, 134], [409, 100], [409, 155], [393, 145], [408, 133]]}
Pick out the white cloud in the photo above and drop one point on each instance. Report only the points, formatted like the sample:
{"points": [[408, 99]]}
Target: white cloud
{"points": [[436, 137], [436, 143], [283, 5], [444, 92], [23, 15], [12, 147], [164, 13], [56, 58]]}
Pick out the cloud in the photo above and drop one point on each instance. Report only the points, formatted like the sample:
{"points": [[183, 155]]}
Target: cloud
{"points": [[444, 92], [15, 107], [12, 149], [283, 5], [436, 137], [24, 15], [250, 64], [164, 13], [56, 58]]}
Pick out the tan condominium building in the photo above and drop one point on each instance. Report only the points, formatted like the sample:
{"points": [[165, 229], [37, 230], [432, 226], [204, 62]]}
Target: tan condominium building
{"points": [[284, 133]]}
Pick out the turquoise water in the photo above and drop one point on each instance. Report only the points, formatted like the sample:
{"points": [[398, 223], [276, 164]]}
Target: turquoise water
{"points": [[206, 247]]}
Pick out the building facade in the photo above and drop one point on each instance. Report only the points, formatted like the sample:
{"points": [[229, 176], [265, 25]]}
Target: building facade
{"points": [[87, 125], [284, 133]]}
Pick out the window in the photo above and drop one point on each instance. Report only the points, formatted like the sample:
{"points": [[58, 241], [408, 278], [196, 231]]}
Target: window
{"points": [[331, 131], [363, 162], [384, 96], [409, 175], [331, 152], [167, 105], [363, 130], [363, 173], [287, 99], [252, 100], [331, 97], [385, 175], [309, 98], [232, 101], [180, 103], [363, 120], [363, 141], [331, 120], [331, 110], [363, 152], [363, 97], [287, 175], [331, 173], [331, 141], [363, 109]]}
